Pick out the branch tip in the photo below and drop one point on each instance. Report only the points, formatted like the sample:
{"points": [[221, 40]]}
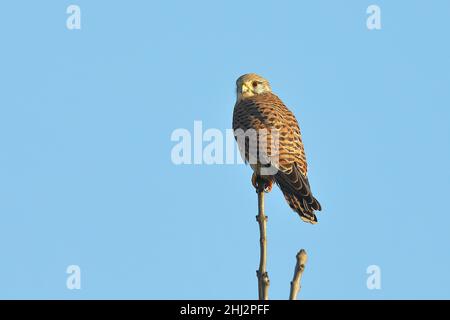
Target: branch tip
{"points": [[302, 258]]}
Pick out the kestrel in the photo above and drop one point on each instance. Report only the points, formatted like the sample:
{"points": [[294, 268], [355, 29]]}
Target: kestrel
{"points": [[279, 144]]}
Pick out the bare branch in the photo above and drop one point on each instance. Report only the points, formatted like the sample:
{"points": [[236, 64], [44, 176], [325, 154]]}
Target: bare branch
{"points": [[302, 257], [263, 276]]}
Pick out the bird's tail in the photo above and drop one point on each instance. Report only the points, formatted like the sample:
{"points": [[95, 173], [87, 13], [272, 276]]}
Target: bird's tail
{"points": [[297, 192]]}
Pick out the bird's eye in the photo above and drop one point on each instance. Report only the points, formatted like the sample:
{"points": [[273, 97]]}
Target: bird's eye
{"points": [[255, 84]]}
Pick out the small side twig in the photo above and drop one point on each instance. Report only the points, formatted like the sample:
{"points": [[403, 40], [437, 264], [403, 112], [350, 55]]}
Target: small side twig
{"points": [[302, 257], [261, 273]]}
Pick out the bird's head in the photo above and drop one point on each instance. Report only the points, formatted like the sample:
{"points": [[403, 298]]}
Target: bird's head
{"points": [[251, 84]]}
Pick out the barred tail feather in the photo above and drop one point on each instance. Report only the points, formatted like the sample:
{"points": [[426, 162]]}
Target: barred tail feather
{"points": [[297, 192]]}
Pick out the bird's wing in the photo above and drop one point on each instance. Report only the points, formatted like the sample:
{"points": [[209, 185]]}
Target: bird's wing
{"points": [[267, 111]]}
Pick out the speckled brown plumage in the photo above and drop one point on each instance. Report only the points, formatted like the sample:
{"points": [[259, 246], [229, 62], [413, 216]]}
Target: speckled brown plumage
{"points": [[267, 111]]}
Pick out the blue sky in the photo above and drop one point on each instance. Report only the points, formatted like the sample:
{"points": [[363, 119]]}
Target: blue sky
{"points": [[86, 176]]}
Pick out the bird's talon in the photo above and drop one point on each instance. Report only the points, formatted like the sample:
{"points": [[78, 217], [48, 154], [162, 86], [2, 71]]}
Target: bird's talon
{"points": [[268, 186], [267, 183], [255, 182]]}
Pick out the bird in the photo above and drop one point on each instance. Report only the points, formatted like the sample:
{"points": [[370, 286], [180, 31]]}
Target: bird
{"points": [[277, 154]]}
